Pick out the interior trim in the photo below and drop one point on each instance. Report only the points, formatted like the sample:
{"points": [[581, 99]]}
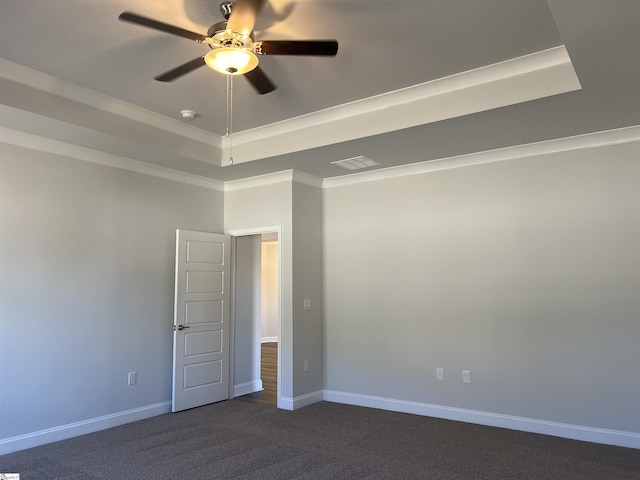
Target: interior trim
{"points": [[70, 91], [295, 403], [532, 76], [63, 432], [48, 145], [258, 181], [590, 140], [531, 425], [529, 77], [578, 142], [247, 388]]}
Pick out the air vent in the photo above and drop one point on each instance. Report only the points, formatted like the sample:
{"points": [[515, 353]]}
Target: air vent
{"points": [[356, 163]]}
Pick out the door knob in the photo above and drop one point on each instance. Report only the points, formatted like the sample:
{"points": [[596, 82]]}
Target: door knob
{"points": [[181, 327]]}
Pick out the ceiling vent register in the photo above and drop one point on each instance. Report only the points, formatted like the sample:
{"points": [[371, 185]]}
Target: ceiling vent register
{"points": [[356, 163]]}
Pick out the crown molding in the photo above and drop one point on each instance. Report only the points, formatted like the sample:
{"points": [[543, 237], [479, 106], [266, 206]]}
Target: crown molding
{"points": [[47, 145], [271, 178], [512, 81], [307, 179], [525, 78], [579, 142], [70, 91], [258, 181]]}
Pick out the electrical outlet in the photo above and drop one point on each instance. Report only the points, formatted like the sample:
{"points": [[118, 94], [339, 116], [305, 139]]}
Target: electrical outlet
{"points": [[439, 373], [306, 365], [306, 305], [466, 376], [132, 378]]}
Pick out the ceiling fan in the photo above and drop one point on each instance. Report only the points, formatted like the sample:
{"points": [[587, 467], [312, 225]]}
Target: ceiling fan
{"points": [[233, 49]]}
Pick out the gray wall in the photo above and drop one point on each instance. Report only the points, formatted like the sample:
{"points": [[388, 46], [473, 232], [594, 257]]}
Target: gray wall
{"points": [[261, 208], [86, 286], [247, 315], [270, 287], [307, 285], [526, 273], [296, 209]]}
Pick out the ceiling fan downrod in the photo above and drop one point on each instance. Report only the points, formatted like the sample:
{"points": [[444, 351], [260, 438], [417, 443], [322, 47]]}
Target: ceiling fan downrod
{"points": [[225, 9]]}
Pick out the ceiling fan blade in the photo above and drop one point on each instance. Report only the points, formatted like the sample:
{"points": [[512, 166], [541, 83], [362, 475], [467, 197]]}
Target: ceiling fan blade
{"points": [[183, 69], [259, 80], [243, 16], [296, 47], [163, 27]]}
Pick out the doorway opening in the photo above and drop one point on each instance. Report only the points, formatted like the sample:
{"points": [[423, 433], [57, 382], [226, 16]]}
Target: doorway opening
{"points": [[257, 318]]}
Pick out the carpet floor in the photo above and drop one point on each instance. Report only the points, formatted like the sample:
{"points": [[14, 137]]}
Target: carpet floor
{"points": [[245, 440]]}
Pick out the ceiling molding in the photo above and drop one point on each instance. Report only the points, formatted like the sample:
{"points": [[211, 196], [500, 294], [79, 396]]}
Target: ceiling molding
{"points": [[578, 142], [70, 91], [307, 179], [521, 79], [271, 178], [512, 81], [591, 140], [47, 145], [258, 181]]}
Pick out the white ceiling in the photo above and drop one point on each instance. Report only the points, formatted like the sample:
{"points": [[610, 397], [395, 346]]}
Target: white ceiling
{"points": [[71, 63]]}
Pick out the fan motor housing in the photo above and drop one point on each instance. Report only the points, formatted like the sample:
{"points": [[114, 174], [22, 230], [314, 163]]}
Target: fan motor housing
{"points": [[224, 38], [216, 28]]}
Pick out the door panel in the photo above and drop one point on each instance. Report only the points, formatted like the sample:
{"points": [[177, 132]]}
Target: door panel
{"points": [[203, 312], [204, 282], [202, 343], [201, 323]]}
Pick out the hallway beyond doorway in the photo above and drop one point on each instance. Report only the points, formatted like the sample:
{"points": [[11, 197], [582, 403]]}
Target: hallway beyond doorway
{"points": [[268, 374]]}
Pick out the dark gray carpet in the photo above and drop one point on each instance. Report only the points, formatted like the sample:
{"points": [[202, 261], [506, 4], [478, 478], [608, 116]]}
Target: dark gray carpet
{"points": [[243, 440]]}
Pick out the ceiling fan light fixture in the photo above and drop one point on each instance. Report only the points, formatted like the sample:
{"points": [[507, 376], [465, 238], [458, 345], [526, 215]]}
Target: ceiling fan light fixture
{"points": [[231, 60]]}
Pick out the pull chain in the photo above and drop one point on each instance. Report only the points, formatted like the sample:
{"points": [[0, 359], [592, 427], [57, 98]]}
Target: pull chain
{"points": [[230, 116]]}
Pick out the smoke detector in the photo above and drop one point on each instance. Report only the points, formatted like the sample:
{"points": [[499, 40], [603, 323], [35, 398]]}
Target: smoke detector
{"points": [[188, 115]]}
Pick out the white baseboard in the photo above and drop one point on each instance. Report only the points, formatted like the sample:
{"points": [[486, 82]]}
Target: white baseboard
{"points": [[246, 388], [576, 432], [288, 403], [62, 432], [269, 339], [285, 403]]}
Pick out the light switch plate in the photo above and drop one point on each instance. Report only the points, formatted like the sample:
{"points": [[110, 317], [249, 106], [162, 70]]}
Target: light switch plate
{"points": [[307, 304]]}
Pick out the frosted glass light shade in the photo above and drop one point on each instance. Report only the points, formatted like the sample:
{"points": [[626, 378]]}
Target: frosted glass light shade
{"points": [[231, 60]]}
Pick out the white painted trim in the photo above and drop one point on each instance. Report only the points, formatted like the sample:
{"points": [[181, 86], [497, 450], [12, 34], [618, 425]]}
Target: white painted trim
{"points": [[248, 387], [533, 76], [62, 432], [271, 178], [578, 142], [525, 78], [243, 232], [532, 425], [48, 145], [285, 403], [289, 403], [258, 181], [85, 96], [307, 179], [546, 59], [268, 339], [308, 399]]}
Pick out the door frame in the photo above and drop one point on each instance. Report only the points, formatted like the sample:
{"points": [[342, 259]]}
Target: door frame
{"points": [[243, 233]]}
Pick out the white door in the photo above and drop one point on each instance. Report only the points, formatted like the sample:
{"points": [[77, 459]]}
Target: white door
{"points": [[201, 319]]}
